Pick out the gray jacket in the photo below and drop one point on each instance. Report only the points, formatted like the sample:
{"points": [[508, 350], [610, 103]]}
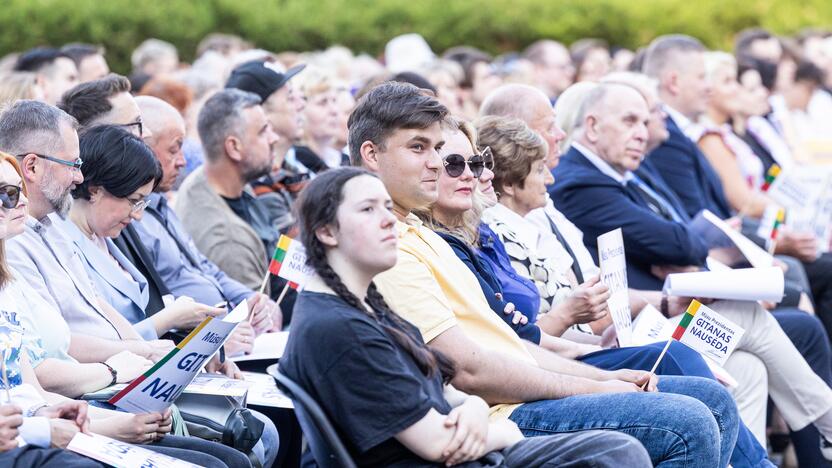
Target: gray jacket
{"points": [[222, 236]]}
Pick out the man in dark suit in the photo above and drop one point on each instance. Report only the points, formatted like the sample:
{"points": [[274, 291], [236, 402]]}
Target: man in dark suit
{"points": [[598, 189], [677, 63]]}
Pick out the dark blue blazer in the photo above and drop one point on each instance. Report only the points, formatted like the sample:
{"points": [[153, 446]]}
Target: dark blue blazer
{"points": [[598, 204], [686, 170]]}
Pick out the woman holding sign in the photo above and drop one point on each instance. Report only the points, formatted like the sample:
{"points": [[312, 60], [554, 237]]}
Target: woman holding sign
{"points": [[19, 347], [120, 171], [383, 389], [455, 216]]}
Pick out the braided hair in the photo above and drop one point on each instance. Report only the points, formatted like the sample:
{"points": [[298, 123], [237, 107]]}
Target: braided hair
{"points": [[318, 207]]}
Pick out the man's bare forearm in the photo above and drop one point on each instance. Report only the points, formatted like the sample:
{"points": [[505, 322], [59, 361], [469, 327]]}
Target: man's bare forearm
{"points": [[500, 378], [558, 365]]}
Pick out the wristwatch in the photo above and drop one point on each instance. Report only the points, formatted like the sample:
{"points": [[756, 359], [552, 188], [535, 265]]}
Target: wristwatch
{"points": [[112, 373]]}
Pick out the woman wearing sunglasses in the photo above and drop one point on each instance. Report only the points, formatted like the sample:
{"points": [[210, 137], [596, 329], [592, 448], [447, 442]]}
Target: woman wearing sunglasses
{"points": [[453, 218], [22, 315], [456, 217], [385, 391]]}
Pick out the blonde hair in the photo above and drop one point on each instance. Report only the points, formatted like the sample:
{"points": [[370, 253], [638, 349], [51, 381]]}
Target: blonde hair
{"points": [[568, 110], [5, 272], [315, 80], [466, 226], [716, 61], [16, 86]]}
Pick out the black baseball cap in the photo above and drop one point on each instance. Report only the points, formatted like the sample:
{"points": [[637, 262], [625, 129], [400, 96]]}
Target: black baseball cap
{"points": [[260, 77]]}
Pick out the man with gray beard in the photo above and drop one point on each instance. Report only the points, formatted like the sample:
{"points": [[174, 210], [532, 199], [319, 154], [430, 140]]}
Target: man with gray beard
{"points": [[226, 221], [45, 141]]}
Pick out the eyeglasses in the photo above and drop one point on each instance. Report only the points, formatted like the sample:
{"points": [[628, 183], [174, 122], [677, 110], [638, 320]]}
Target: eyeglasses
{"points": [[73, 164], [455, 163], [10, 196], [138, 124], [137, 205]]}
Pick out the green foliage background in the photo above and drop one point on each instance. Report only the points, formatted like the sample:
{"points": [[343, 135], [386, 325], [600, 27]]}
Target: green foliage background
{"points": [[366, 25]]}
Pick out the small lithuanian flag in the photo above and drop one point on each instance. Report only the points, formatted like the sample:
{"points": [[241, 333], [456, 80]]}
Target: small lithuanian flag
{"points": [[683, 324], [778, 221], [772, 174], [279, 255]]}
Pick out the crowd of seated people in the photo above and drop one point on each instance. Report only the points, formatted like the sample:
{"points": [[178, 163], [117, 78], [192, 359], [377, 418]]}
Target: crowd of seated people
{"points": [[455, 313]]}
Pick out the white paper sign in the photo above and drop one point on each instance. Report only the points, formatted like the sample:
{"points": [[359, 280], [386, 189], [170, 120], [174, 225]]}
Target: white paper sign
{"points": [[806, 193], [718, 234], [268, 346], [294, 267], [708, 333], [614, 274], [159, 387], [741, 284], [799, 186], [264, 392], [650, 326], [122, 454]]}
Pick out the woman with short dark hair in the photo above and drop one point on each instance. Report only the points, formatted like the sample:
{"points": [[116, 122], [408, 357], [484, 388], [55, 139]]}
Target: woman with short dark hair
{"points": [[120, 170]]}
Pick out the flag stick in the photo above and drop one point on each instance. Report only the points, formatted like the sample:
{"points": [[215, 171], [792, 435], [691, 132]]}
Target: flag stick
{"points": [[282, 294], [656, 365], [265, 282]]}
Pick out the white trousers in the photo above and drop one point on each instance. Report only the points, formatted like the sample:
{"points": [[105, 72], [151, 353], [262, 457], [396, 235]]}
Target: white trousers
{"points": [[800, 395]]}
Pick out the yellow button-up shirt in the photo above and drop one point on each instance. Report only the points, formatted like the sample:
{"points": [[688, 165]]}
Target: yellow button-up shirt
{"points": [[432, 289]]}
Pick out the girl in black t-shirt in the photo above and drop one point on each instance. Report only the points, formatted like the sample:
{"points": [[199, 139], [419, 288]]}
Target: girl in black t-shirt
{"points": [[387, 393]]}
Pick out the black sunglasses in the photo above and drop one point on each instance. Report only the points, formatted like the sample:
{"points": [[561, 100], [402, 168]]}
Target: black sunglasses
{"points": [[455, 164], [10, 196]]}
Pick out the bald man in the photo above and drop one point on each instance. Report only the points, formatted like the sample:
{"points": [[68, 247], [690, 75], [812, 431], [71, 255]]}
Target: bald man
{"points": [[183, 269], [530, 105]]}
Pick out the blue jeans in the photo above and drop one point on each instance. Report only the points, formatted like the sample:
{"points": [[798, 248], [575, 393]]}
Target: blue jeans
{"points": [[679, 360], [692, 422], [266, 448]]}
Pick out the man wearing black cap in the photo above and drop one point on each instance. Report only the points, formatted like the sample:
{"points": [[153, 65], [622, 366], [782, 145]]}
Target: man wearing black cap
{"points": [[284, 109], [283, 105]]}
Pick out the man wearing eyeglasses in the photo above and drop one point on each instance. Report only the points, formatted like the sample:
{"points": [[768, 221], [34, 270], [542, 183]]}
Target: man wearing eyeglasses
{"points": [[105, 101]]}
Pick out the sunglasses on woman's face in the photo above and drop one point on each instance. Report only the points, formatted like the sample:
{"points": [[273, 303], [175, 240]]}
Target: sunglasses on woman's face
{"points": [[10, 196], [455, 164]]}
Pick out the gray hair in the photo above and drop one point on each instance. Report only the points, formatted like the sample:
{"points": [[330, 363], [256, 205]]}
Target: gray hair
{"points": [[569, 111], [222, 116], [151, 50], [665, 50], [596, 97], [33, 127]]}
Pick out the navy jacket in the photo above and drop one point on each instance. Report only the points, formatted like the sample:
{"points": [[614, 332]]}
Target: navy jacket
{"points": [[491, 287], [598, 204], [686, 170]]}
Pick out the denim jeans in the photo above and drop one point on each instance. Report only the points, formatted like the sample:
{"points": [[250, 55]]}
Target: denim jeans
{"points": [[679, 360], [691, 422], [266, 448]]}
